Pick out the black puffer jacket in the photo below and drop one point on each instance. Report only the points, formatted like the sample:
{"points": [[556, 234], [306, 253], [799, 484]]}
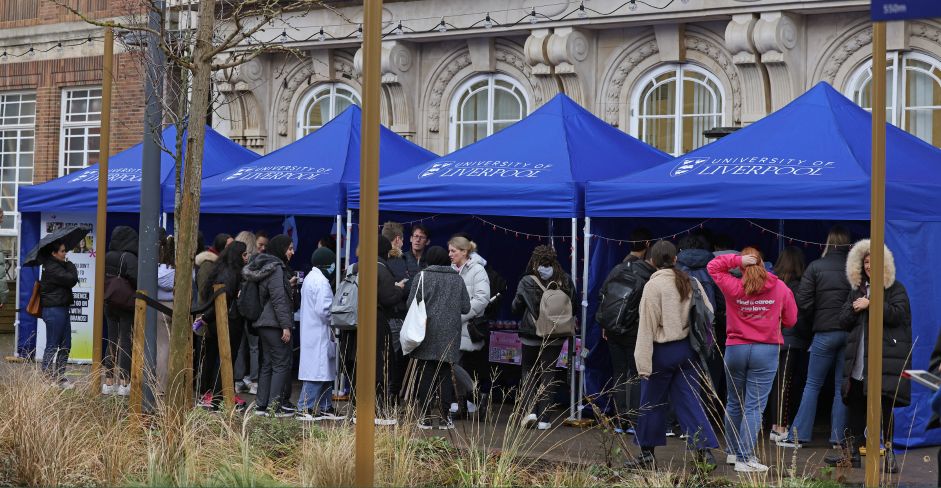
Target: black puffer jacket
{"points": [[823, 291], [121, 259], [896, 326], [55, 286], [527, 299], [797, 337], [274, 286]]}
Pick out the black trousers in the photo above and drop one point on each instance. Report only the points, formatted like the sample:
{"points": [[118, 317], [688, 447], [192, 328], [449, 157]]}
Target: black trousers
{"points": [[788, 386], [210, 377], [120, 330], [275, 367], [430, 378], [856, 407], [539, 373], [625, 386]]}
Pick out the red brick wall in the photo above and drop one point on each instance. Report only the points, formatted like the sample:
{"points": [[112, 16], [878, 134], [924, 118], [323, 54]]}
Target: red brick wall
{"points": [[25, 13], [49, 77]]}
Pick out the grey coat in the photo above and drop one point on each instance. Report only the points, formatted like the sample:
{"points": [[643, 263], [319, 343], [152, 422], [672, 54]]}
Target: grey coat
{"points": [[272, 278], [445, 300]]}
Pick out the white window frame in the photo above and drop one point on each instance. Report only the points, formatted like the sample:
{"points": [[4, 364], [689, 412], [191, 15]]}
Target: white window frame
{"points": [[896, 106], [464, 89], [65, 124], [317, 92], [14, 213], [719, 102]]}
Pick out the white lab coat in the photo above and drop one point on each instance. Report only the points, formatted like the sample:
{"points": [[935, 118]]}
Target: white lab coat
{"points": [[317, 347]]}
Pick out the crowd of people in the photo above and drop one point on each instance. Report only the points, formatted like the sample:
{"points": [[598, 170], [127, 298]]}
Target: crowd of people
{"points": [[767, 319], [714, 343]]}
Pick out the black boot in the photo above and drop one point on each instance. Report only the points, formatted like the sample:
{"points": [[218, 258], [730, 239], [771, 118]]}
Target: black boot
{"points": [[846, 457], [645, 460]]}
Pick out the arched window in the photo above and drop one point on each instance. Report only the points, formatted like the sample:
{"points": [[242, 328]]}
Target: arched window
{"points": [[674, 105], [484, 105], [913, 93], [323, 103]]}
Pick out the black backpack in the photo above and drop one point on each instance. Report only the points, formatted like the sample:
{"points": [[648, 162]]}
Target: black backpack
{"points": [[249, 301], [614, 296]]}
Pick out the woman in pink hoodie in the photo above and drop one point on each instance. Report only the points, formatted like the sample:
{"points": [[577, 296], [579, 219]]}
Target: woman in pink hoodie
{"points": [[757, 305]]}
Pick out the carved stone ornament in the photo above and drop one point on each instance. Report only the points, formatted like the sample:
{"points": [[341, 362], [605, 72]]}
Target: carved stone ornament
{"points": [[300, 78], [718, 55], [860, 40], [566, 49], [615, 85], [775, 34], [396, 59]]}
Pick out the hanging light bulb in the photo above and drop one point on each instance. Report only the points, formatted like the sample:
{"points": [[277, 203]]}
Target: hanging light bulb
{"points": [[532, 17], [359, 32], [59, 48], [399, 30], [582, 13], [31, 52], [284, 36], [633, 5], [321, 36], [488, 23], [3, 57], [442, 26]]}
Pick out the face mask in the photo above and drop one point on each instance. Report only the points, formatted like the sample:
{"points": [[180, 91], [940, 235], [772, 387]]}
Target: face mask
{"points": [[331, 268], [545, 272]]}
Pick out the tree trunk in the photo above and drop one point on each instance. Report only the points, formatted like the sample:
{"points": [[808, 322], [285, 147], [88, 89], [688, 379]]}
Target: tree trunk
{"points": [[180, 388]]}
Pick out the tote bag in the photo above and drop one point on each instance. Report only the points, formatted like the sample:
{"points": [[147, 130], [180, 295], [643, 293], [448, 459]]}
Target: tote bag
{"points": [[416, 320], [34, 307]]}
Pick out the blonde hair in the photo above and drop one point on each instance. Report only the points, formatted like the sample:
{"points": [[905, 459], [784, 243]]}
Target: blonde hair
{"points": [[247, 238], [463, 244]]}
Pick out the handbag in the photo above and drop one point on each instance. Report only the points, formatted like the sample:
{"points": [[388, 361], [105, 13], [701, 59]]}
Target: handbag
{"points": [[416, 320], [118, 290], [34, 307]]}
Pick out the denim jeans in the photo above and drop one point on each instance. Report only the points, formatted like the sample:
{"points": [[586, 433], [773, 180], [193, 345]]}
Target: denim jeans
{"points": [[316, 395], [827, 353], [58, 341], [751, 369]]}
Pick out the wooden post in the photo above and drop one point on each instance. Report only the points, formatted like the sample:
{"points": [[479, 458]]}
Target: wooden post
{"points": [[137, 356], [101, 222], [225, 351], [369, 243], [877, 258]]}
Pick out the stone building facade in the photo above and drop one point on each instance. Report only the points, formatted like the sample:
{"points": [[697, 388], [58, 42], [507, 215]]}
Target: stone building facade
{"points": [[50, 97], [661, 70]]}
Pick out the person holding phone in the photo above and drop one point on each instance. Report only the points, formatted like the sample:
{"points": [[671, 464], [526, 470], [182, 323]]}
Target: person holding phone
{"points": [[55, 296]]}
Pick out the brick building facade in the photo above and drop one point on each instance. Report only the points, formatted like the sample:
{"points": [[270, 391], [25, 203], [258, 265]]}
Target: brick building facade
{"points": [[50, 96]]}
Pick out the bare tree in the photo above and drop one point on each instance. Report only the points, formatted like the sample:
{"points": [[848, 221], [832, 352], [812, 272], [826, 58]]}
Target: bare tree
{"points": [[219, 36]]}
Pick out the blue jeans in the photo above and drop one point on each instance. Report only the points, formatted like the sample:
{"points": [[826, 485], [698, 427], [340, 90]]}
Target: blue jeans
{"points": [[751, 370], [317, 394], [58, 341], [827, 353]]}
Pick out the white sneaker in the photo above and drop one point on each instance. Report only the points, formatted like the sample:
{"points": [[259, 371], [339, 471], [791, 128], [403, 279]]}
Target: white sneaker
{"points": [[386, 421], [543, 426], [750, 466], [253, 389], [529, 420], [730, 458], [788, 443], [240, 387], [453, 408], [66, 385], [107, 389], [777, 436], [124, 390]]}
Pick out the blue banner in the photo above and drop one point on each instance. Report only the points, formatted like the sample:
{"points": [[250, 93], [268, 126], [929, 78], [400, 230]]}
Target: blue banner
{"points": [[905, 9]]}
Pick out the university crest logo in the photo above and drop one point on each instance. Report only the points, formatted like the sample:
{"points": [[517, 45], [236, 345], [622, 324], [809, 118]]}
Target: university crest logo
{"points": [[435, 168], [687, 165]]}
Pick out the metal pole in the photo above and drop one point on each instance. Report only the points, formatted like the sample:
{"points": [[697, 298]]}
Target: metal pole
{"points": [[339, 243], [573, 374], [369, 242], [581, 377], [877, 258], [150, 194], [338, 379], [349, 236], [101, 222]]}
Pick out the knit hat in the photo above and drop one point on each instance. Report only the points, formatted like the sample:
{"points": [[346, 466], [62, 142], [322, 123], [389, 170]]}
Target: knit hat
{"points": [[323, 258]]}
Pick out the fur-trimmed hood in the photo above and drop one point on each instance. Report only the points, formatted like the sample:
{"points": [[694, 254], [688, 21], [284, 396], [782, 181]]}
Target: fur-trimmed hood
{"points": [[854, 265], [260, 267]]}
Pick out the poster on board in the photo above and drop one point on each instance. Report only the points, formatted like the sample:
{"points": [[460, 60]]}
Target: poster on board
{"points": [[82, 311]]}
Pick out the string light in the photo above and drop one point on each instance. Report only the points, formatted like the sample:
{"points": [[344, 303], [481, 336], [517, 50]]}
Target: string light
{"points": [[632, 5], [359, 32], [442, 26], [653, 239], [398, 30], [581, 11], [284, 36], [321, 36], [790, 239], [532, 16], [488, 23], [31, 52]]}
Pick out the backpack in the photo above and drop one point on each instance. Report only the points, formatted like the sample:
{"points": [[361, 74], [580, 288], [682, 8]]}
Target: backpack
{"points": [[343, 310], [248, 303], [614, 296], [479, 328], [701, 327], [555, 312]]}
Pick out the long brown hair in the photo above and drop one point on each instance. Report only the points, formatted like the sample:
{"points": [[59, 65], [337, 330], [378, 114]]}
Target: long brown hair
{"points": [[663, 254], [790, 265], [753, 277], [544, 255]]}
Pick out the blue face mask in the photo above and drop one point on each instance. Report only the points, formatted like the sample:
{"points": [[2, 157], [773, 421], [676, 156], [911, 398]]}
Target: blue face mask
{"points": [[331, 268], [545, 272]]}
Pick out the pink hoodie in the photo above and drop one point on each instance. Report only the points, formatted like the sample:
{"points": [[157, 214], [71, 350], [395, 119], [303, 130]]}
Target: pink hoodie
{"points": [[752, 319]]}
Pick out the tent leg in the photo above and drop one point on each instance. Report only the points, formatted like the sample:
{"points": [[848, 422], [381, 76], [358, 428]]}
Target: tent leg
{"points": [[338, 379], [780, 237], [346, 252], [573, 373], [587, 249]]}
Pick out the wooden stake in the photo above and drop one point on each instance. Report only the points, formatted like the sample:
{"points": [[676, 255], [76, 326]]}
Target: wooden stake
{"points": [[137, 356], [225, 351], [101, 222]]}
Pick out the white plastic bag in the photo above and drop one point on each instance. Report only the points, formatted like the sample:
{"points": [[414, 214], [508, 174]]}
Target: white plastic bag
{"points": [[416, 320]]}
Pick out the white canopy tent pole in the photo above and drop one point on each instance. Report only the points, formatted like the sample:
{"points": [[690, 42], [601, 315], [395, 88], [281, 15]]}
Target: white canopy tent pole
{"points": [[337, 379], [573, 374], [583, 355]]}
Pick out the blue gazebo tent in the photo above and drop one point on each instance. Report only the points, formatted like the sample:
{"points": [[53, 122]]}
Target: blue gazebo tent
{"points": [[78, 192], [537, 167], [310, 176], [809, 160]]}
